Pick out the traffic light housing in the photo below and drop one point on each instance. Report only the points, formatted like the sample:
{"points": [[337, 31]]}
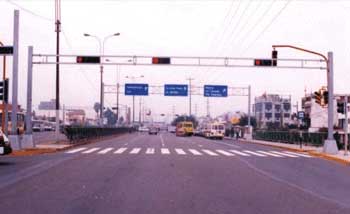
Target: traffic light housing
{"points": [[341, 108], [274, 57], [4, 90], [161, 60], [318, 97], [263, 62], [88, 59], [325, 97], [6, 50]]}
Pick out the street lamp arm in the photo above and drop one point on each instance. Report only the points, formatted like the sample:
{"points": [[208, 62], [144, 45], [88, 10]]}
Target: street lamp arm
{"points": [[301, 49]]}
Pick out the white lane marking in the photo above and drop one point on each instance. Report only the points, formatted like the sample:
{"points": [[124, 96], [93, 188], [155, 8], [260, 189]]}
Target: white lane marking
{"points": [[90, 150], [162, 140], [105, 150], [120, 150], [195, 152], [180, 151], [135, 150], [224, 152], [76, 150], [284, 154], [270, 154], [150, 151], [254, 153], [209, 152], [239, 153], [164, 151], [126, 144], [299, 154]]}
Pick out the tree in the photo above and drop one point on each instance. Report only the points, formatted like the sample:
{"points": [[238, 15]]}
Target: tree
{"points": [[185, 118], [243, 121], [111, 117], [97, 107]]}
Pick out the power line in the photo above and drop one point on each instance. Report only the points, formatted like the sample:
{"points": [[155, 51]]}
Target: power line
{"points": [[30, 11], [266, 27]]}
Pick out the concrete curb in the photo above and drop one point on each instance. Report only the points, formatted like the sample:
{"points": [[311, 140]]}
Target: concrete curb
{"points": [[310, 152]]}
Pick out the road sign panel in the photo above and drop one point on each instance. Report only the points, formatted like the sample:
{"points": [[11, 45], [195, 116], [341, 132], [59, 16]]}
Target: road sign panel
{"points": [[138, 89], [215, 90], [301, 115], [175, 90]]}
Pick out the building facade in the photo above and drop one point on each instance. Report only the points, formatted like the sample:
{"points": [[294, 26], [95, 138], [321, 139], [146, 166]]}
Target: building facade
{"points": [[272, 111]]}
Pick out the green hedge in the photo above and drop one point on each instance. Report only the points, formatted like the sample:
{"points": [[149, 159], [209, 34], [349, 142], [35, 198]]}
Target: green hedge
{"points": [[78, 133], [315, 139]]}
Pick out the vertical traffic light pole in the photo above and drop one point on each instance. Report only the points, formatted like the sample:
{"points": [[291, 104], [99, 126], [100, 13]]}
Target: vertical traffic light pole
{"points": [[3, 100], [346, 125], [330, 145]]}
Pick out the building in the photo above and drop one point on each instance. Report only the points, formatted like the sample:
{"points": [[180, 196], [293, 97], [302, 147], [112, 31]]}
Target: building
{"points": [[76, 116], [272, 111], [316, 117]]}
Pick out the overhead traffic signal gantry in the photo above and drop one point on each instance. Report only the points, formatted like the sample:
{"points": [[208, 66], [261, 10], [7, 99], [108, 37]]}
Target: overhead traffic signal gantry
{"points": [[267, 62]]}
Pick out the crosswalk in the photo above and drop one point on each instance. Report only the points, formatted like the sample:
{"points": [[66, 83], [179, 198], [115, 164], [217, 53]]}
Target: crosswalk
{"points": [[188, 152]]}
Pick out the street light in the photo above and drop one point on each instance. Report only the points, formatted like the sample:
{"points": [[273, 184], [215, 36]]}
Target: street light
{"points": [[101, 47], [133, 96]]}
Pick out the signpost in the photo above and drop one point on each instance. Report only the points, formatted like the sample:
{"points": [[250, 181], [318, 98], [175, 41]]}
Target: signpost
{"points": [[136, 89], [175, 90], [215, 90]]}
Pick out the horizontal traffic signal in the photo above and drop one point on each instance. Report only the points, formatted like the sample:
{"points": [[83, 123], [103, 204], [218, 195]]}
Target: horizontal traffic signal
{"points": [[263, 62], [88, 59], [161, 60], [6, 50]]}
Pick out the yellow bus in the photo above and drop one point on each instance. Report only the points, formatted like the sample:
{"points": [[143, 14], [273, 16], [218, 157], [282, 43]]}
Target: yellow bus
{"points": [[20, 119], [184, 128]]}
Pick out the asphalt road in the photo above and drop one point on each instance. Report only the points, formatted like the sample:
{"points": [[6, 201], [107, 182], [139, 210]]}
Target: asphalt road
{"points": [[138, 173]]}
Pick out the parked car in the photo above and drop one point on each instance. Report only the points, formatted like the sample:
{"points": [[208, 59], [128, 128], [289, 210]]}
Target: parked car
{"points": [[143, 129], [37, 128], [153, 130], [5, 146]]}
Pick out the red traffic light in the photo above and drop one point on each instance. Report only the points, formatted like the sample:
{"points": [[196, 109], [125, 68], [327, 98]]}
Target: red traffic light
{"points": [[263, 62], [161, 60], [88, 59]]}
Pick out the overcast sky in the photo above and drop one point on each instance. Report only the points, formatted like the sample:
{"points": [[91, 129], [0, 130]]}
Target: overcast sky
{"points": [[245, 28]]}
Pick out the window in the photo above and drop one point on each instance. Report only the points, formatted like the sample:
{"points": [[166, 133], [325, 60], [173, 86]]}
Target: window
{"points": [[268, 106]]}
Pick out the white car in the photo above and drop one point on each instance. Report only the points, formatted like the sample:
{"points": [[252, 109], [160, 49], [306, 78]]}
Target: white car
{"points": [[5, 146], [143, 129]]}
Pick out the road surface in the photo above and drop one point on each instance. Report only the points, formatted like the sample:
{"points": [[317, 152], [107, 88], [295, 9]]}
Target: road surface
{"points": [[141, 173]]}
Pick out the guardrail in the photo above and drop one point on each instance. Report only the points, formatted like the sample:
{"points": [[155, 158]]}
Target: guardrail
{"points": [[315, 139], [79, 133]]}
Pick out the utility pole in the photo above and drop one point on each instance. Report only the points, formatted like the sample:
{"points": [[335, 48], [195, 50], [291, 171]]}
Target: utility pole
{"points": [[208, 107], [57, 30], [346, 125], [190, 95], [140, 104]]}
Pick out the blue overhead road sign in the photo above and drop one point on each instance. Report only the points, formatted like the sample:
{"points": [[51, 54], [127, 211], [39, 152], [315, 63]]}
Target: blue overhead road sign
{"points": [[215, 90], [175, 90], [137, 89]]}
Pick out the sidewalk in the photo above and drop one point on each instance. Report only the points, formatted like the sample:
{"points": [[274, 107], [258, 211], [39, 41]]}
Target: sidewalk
{"points": [[312, 150]]}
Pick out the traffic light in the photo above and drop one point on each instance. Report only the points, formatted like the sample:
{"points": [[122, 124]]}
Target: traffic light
{"points": [[340, 108], [325, 97], [318, 97], [6, 50], [263, 62], [88, 59], [274, 57], [4, 90], [161, 60]]}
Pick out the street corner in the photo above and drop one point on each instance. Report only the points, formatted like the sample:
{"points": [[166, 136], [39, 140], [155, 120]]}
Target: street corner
{"points": [[335, 158], [33, 151]]}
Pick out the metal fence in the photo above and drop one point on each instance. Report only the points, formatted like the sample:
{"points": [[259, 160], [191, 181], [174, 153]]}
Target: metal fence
{"points": [[306, 138], [78, 133]]}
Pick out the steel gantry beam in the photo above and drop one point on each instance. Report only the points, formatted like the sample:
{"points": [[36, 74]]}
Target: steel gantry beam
{"points": [[239, 62]]}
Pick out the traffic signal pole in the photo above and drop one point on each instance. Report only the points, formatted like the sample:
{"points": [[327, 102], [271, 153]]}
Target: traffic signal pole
{"points": [[346, 125], [330, 145]]}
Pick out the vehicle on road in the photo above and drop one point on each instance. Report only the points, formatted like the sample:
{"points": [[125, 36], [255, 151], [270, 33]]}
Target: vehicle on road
{"points": [[20, 118], [5, 146], [213, 130], [172, 129], [153, 130], [184, 128], [143, 129]]}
